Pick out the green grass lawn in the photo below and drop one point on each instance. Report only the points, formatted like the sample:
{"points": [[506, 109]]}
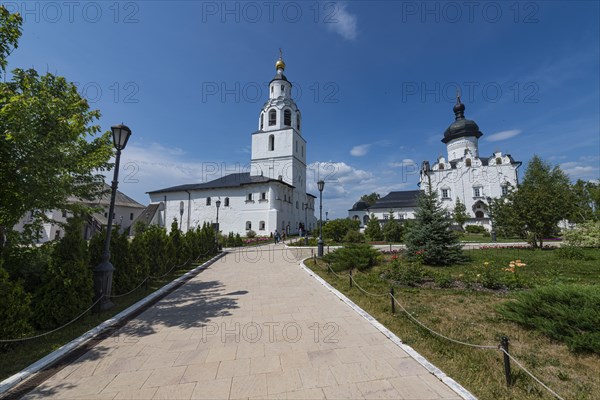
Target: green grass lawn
{"points": [[22, 355], [469, 314]]}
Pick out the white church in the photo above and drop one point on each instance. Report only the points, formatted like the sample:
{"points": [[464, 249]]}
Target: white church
{"points": [[463, 175], [272, 196]]}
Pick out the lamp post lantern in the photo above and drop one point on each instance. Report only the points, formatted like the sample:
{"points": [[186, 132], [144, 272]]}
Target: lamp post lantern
{"points": [[320, 186], [180, 214], [103, 272]]}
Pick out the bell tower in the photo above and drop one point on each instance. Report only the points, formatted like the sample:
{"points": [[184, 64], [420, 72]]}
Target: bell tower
{"points": [[278, 148]]}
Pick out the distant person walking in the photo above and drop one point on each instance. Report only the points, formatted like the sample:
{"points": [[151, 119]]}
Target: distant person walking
{"points": [[276, 236]]}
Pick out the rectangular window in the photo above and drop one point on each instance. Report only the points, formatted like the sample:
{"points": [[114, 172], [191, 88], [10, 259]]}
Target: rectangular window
{"points": [[504, 190], [131, 217], [263, 195], [477, 192], [385, 216], [208, 201], [445, 193], [64, 214]]}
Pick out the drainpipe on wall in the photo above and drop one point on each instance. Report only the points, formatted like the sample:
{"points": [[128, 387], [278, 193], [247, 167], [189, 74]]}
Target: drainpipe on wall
{"points": [[189, 209], [165, 214]]}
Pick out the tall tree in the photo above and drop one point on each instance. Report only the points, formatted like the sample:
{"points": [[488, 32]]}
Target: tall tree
{"points": [[49, 146], [392, 230], [370, 199], [430, 237], [460, 213], [373, 229], [584, 207], [541, 201]]}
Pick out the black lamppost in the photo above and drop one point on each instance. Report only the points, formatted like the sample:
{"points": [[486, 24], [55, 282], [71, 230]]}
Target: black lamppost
{"points": [[305, 223], [493, 233], [103, 272], [320, 186], [180, 214]]}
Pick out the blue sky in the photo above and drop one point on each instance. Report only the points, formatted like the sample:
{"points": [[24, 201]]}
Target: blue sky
{"points": [[375, 81]]}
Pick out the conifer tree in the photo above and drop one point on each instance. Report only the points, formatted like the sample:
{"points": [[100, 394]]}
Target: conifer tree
{"points": [[430, 238], [373, 229], [460, 213]]}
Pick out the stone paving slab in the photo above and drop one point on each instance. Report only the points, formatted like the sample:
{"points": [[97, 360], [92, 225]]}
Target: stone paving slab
{"points": [[252, 326]]}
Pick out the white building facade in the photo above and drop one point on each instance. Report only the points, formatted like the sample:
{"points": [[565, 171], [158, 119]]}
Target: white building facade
{"points": [[272, 196], [463, 174]]}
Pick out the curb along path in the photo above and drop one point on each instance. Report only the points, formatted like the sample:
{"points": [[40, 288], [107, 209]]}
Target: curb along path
{"points": [[252, 326]]}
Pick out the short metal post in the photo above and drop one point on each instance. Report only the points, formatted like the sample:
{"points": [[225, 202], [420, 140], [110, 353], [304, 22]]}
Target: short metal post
{"points": [[392, 299], [504, 345], [390, 247], [350, 275]]}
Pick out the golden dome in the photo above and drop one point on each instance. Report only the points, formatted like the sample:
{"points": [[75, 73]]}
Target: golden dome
{"points": [[280, 64]]}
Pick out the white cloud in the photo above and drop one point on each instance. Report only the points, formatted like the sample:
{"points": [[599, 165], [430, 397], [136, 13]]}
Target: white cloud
{"points": [[496, 137], [360, 150], [340, 21], [404, 163], [578, 170]]}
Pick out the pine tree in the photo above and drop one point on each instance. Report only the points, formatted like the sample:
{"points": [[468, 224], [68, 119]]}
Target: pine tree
{"points": [[430, 238], [460, 213], [392, 230], [373, 229]]}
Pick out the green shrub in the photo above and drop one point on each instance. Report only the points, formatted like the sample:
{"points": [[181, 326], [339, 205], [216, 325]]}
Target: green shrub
{"points": [[337, 229], [353, 256], [353, 237], [250, 234], [66, 289], [568, 313], [238, 242], [408, 274], [443, 280], [14, 309], [475, 229], [124, 278], [158, 250], [27, 264], [570, 252], [584, 235]]}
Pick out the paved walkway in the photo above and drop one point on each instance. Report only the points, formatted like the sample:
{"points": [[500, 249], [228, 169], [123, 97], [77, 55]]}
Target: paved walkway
{"points": [[253, 325]]}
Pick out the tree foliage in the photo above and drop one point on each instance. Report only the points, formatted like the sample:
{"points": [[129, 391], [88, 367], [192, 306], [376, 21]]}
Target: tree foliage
{"points": [[49, 146], [460, 213], [541, 201], [370, 199], [67, 285], [586, 202], [10, 31], [336, 229], [392, 230], [430, 239]]}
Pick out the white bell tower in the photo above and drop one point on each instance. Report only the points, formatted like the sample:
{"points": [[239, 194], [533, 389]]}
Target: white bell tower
{"points": [[278, 148]]}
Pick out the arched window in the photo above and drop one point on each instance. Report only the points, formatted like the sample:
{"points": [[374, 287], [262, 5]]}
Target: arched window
{"points": [[366, 219], [248, 225], [226, 201], [356, 218], [298, 120], [468, 162], [498, 161], [249, 197], [208, 201], [478, 214], [272, 117], [287, 118], [441, 166], [282, 89], [271, 142], [261, 225], [302, 150], [271, 89], [262, 120]]}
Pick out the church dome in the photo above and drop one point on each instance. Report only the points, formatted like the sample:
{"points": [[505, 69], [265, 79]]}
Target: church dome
{"points": [[461, 127], [279, 64], [360, 206]]}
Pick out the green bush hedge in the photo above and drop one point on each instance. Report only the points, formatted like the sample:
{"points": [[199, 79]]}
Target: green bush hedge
{"points": [[14, 309], [568, 313], [584, 235], [353, 256], [474, 229]]}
